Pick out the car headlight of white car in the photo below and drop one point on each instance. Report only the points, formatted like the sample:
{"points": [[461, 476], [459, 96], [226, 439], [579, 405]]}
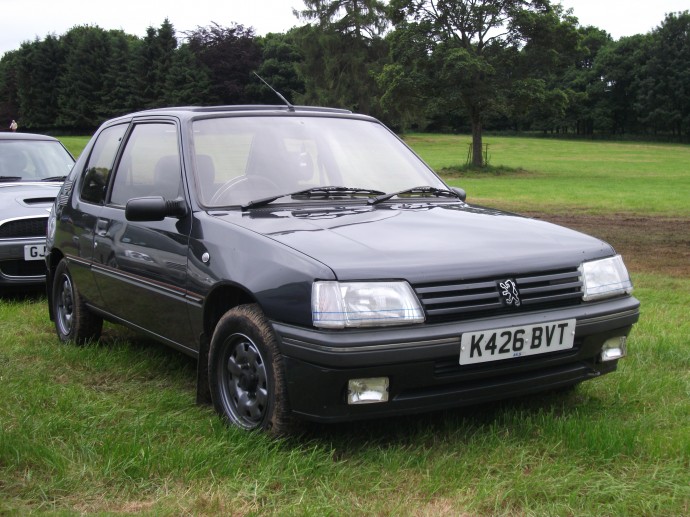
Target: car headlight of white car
{"points": [[605, 278], [338, 305]]}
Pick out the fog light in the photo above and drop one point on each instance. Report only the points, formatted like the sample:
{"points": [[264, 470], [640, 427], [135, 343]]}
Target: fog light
{"points": [[367, 391], [614, 348]]}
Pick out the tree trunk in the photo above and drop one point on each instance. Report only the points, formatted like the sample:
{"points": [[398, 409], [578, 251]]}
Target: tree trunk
{"points": [[477, 146]]}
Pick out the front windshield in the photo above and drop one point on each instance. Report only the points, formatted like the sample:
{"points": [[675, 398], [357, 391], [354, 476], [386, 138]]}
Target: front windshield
{"points": [[242, 159], [33, 160]]}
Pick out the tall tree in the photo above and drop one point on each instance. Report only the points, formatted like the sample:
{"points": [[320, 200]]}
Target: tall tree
{"points": [[187, 81], [363, 19], [280, 57], [166, 42], [583, 82], [151, 61], [614, 90], [341, 49], [9, 97], [552, 49], [471, 37], [117, 82], [407, 80], [230, 54], [87, 52], [665, 93], [38, 73]]}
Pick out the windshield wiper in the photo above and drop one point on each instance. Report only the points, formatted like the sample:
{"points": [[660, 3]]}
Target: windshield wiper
{"points": [[314, 193], [55, 178], [436, 192], [10, 178]]}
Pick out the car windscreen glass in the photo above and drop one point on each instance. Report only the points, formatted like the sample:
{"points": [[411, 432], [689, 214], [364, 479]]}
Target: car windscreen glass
{"points": [[34, 160], [242, 159]]}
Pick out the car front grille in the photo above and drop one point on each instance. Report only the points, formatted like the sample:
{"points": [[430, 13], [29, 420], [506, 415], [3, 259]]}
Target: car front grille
{"points": [[18, 228], [20, 268], [461, 300]]}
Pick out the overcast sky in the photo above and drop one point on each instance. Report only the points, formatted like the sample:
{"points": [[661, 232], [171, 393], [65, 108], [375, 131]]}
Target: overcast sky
{"points": [[26, 20]]}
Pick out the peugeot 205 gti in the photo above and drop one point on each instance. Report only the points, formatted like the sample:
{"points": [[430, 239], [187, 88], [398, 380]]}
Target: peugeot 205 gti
{"points": [[318, 269]]}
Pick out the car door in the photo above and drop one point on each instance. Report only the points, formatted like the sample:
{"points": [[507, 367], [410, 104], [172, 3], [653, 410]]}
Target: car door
{"points": [[89, 199], [141, 267]]}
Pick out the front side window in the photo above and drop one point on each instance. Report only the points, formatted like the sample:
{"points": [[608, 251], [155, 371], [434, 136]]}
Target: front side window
{"points": [[150, 164], [100, 164]]}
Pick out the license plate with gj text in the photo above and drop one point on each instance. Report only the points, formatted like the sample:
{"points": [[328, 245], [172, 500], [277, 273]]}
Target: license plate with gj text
{"points": [[510, 342], [34, 251]]}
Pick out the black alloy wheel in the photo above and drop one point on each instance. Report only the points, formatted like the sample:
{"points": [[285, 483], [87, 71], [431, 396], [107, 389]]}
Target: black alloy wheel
{"points": [[245, 372], [73, 320]]}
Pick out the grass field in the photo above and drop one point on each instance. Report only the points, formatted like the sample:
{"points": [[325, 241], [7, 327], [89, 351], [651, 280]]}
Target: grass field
{"points": [[558, 176], [112, 428], [551, 175]]}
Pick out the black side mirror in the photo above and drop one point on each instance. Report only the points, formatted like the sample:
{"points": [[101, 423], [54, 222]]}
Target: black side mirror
{"points": [[154, 208]]}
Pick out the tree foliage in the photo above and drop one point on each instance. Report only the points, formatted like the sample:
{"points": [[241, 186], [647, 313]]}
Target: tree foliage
{"points": [[230, 54], [82, 84], [471, 43], [279, 67], [458, 65], [361, 19], [341, 51], [665, 89]]}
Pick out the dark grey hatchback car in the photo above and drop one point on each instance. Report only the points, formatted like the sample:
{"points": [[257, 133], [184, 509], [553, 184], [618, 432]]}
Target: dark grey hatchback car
{"points": [[319, 270]]}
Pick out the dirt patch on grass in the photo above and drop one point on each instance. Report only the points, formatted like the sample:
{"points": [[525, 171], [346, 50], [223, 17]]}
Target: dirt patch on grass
{"points": [[648, 244]]}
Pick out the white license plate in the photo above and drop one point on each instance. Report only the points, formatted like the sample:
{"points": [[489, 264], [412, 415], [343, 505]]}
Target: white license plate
{"points": [[506, 343], [34, 251]]}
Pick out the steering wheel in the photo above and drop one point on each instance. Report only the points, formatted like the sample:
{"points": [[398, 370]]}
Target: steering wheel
{"points": [[245, 183]]}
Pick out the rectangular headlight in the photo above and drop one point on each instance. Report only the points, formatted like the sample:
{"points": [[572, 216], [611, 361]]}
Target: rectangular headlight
{"points": [[364, 304], [605, 278]]}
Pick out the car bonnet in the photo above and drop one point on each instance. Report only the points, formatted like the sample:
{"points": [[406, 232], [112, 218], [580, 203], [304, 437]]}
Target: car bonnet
{"points": [[423, 242]]}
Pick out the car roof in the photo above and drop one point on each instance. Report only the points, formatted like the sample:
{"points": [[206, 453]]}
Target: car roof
{"points": [[189, 112], [244, 107], [26, 136]]}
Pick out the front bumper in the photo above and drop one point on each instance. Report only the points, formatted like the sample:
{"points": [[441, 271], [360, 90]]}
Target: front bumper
{"points": [[422, 362], [14, 269]]}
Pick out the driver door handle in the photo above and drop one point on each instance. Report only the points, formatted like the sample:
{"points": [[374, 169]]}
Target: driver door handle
{"points": [[102, 227]]}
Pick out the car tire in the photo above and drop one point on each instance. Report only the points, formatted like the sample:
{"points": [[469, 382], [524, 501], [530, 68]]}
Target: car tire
{"points": [[74, 322], [246, 376]]}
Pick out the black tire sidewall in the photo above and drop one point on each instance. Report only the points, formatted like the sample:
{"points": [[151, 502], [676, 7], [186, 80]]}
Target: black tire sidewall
{"points": [[62, 271], [249, 321], [85, 326]]}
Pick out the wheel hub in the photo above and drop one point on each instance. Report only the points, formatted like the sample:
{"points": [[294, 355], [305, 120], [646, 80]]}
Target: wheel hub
{"points": [[248, 380], [244, 378]]}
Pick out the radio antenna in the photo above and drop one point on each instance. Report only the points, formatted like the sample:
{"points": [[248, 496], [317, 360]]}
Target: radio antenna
{"points": [[289, 106]]}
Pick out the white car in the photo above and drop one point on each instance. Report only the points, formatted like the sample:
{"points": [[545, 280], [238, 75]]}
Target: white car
{"points": [[32, 170]]}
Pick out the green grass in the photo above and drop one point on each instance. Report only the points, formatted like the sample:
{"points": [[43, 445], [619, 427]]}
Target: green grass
{"points": [[566, 175], [75, 144], [557, 175], [112, 428]]}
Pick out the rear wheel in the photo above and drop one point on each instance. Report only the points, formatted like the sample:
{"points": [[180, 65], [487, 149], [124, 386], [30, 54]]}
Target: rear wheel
{"points": [[73, 320], [246, 372]]}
